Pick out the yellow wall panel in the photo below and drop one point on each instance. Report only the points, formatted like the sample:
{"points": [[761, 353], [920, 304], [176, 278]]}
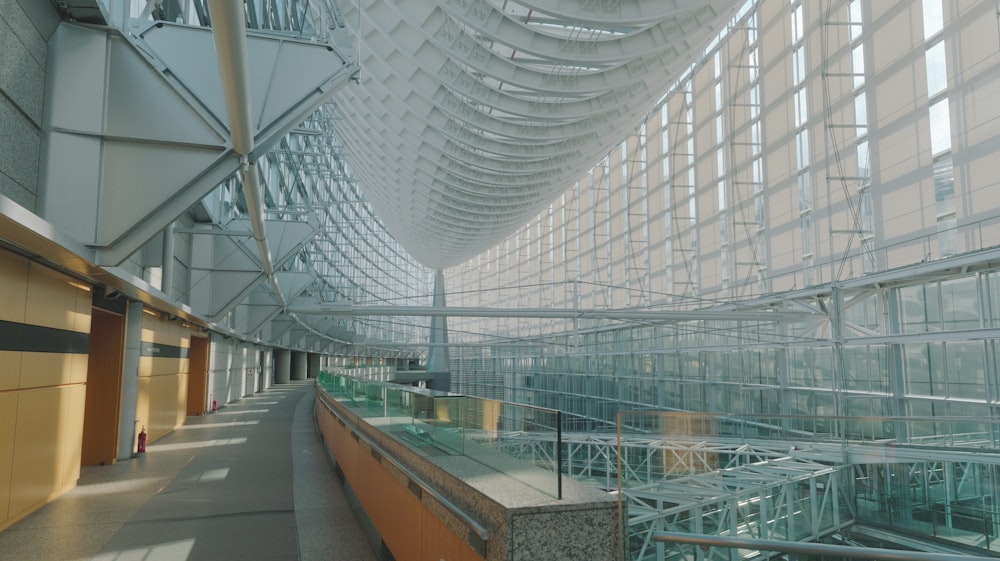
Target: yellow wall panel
{"points": [[142, 405], [164, 405], [13, 287], [10, 370], [68, 440], [43, 457], [8, 421], [84, 304], [145, 366], [400, 528], [52, 369], [52, 299], [410, 529], [439, 542], [180, 412]]}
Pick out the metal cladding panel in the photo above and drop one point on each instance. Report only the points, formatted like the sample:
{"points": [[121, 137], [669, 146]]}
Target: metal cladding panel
{"points": [[69, 195], [292, 284], [189, 56], [76, 79], [228, 288], [287, 237], [144, 105], [139, 178], [152, 111], [295, 84], [235, 254]]}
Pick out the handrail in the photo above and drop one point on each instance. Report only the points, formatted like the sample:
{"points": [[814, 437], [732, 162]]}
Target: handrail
{"points": [[483, 533]]}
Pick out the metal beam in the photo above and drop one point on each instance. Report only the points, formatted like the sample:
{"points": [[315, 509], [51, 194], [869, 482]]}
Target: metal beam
{"points": [[347, 309], [854, 552]]}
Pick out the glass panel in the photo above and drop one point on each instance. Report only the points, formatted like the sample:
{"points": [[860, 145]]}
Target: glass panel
{"points": [[802, 148], [854, 14], [967, 365], [960, 303], [933, 18], [861, 114], [521, 441], [798, 66], [944, 186], [805, 193], [807, 234], [940, 122], [864, 159], [937, 70], [920, 308], [858, 65]]}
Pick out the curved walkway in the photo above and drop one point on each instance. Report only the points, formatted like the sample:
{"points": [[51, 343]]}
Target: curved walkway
{"points": [[252, 481]]}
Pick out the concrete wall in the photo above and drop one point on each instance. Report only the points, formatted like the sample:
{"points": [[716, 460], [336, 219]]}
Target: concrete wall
{"points": [[24, 30], [45, 325]]}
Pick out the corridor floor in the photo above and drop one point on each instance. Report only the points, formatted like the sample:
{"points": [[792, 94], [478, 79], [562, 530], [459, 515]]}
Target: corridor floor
{"points": [[250, 482]]}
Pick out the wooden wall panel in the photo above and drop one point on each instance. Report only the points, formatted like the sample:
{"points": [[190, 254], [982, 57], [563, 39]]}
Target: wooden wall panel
{"points": [[10, 367], [47, 440], [409, 528], [52, 302], [43, 373], [69, 436], [402, 515], [40, 370], [8, 422], [440, 542], [163, 371], [166, 405], [14, 281]]}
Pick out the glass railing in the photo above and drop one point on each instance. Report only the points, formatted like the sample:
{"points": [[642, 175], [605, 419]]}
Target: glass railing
{"points": [[521, 441]]}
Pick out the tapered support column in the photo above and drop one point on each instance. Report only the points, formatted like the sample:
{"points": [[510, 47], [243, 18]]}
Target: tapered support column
{"points": [[438, 368], [282, 366]]}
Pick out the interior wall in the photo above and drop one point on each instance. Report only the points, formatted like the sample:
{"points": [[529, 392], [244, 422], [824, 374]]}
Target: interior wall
{"points": [[230, 363], [44, 336], [408, 527], [25, 28], [161, 404]]}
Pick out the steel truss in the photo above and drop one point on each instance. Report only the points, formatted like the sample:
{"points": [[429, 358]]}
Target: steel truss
{"points": [[718, 486]]}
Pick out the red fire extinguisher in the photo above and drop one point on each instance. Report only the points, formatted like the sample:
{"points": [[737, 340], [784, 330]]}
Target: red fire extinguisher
{"points": [[215, 406], [142, 441]]}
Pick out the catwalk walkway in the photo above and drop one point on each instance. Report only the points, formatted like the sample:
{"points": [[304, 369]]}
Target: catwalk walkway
{"points": [[251, 482]]}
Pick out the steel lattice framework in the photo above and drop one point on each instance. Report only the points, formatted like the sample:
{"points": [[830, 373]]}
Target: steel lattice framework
{"points": [[470, 115], [731, 487]]}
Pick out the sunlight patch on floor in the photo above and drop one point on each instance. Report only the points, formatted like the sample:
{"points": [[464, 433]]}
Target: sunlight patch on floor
{"points": [[198, 444], [171, 551]]}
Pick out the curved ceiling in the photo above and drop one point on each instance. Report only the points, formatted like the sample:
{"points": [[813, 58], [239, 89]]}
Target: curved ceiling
{"points": [[472, 115]]}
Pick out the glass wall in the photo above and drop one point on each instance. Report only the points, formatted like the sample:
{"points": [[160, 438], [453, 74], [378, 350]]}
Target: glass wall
{"points": [[836, 158]]}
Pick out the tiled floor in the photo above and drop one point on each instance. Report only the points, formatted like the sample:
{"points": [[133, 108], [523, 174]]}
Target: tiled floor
{"points": [[251, 482]]}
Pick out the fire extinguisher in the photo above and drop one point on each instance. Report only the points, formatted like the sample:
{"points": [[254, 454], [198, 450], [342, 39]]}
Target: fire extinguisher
{"points": [[142, 441], [215, 406]]}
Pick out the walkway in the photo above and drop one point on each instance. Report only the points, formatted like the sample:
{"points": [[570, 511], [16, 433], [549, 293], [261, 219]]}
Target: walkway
{"points": [[250, 482]]}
